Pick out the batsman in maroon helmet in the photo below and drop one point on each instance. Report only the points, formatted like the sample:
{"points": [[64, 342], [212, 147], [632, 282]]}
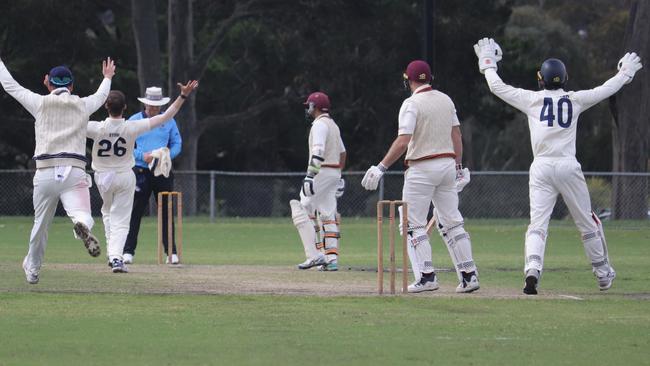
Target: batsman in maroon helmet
{"points": [[320, 186], [429, 134]]}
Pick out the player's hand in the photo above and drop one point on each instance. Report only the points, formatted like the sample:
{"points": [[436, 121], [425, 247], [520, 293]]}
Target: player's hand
{"points": [[340, 188], [308, 186], [462, 177], [188, 88], [108, 68], [371, 180], [488, 53], [147, 158], [629, 65]]}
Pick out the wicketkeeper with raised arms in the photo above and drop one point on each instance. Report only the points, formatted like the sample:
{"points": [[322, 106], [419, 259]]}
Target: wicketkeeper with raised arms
{"points": [[319, 189], [553, 120], [60, 125], [113, 161], [429, 134]]}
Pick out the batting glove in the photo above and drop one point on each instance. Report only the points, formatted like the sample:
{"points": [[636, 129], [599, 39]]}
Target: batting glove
{"points": [[308, 186], [488, 53], [371, 180], [629, 65], [462, 177], [340, 188]]}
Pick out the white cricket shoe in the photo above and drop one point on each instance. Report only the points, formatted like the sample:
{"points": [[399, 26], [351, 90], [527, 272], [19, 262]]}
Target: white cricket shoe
{"points": [[127, 258], [469, 283], [313, 262], [91, 243], [174, 259], [426, 283], [30, 276], [605, 283]]}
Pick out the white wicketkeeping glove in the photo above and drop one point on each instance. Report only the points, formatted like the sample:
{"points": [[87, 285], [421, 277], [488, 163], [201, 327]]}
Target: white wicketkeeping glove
{"points": [[488, 53], [340, 188], [462, 178], [371, 180], [629, 65]]}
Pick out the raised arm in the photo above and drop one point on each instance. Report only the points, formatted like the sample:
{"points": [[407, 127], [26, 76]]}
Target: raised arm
{"points": [[516, 97], [27, 98], [176, 106], [95, 101], [628, 66]]}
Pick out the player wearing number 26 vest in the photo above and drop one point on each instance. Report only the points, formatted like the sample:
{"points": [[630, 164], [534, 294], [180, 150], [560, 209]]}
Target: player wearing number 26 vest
{"points": [[552, 119]]}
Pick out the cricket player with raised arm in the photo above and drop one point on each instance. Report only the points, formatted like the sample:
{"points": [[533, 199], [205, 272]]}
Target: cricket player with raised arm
{"points": [[113, 161], [429, 133], [320, 186], [60, 154], [553, 119]]}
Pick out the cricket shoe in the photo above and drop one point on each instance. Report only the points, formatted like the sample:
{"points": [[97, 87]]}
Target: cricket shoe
{"points": [[530, 283], [127, 258], [428, 282], [174, 259], [313, 262], [605, 283], [329, 267], [469, 283], [30, 276], [90, 242], [117, 266]]}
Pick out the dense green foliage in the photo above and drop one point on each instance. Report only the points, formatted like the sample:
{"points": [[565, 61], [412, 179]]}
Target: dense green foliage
{"points": [[353, 50]]}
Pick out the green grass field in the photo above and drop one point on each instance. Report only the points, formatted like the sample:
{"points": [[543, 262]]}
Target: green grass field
{"points": [[238, 300]]}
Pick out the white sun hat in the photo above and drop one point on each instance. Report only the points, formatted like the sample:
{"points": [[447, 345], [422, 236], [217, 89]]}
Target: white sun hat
{"points": [[153, 96]]}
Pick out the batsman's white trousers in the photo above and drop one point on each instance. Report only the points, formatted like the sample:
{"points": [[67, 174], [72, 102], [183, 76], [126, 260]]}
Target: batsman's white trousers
{"points": [[117, 196], [324, 198], [548, 178], [431, 180], [75, 197]]}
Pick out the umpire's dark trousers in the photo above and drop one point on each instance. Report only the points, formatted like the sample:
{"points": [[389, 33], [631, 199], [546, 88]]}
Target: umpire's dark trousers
{"points": [[146, 183]]}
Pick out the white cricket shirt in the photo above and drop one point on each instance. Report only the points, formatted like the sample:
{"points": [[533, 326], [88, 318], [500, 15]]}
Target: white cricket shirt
{"points": [[552, 114]]}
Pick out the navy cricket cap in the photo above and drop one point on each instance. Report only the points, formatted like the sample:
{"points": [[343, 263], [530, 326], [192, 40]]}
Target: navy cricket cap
{"points": [[60, 76]]}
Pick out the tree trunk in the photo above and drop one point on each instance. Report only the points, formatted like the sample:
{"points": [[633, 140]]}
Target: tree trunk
{"points": [[181, 56], [631, 135], [145, 32]]}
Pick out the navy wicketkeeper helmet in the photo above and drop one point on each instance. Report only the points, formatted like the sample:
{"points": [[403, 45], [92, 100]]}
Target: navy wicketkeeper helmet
{"points": [[552, 74]]}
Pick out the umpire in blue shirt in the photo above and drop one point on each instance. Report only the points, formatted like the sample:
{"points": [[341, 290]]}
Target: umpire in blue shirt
{"points": [[165, 135]]}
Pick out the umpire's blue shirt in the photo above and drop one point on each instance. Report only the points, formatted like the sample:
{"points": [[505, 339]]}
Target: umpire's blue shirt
{"points": [[164, 135]]}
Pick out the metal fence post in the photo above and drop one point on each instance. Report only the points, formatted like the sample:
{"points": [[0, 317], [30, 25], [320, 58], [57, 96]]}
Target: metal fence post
{"points": [[212, 194]]}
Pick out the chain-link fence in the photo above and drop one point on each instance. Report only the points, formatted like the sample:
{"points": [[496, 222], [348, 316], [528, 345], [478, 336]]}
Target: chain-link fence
{"points": [[245, 194]]}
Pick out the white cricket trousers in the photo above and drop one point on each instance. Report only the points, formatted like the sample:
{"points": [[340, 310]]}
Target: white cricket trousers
{"points": [[429, 181], [117, 195], [324, 198], [73, 191], [548, 178]]}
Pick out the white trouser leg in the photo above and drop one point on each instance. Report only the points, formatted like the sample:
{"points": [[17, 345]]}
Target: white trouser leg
{"points": [[324, 202], [45, 200], [76, 197], [117, 214], [107, 202], [542, 200], [420, 181], [571, 184], [305, 228], [456, 239]]}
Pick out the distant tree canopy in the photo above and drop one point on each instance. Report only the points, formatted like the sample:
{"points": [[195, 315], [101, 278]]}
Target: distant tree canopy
{"points": [[353, 50]]}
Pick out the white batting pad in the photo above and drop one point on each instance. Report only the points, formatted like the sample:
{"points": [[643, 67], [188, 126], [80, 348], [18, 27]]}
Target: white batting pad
{"points": [[305, 228]]}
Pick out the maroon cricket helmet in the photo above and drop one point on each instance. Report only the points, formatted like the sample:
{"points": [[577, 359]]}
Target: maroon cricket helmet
{"points": [[320, 101], [418, 71]]}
